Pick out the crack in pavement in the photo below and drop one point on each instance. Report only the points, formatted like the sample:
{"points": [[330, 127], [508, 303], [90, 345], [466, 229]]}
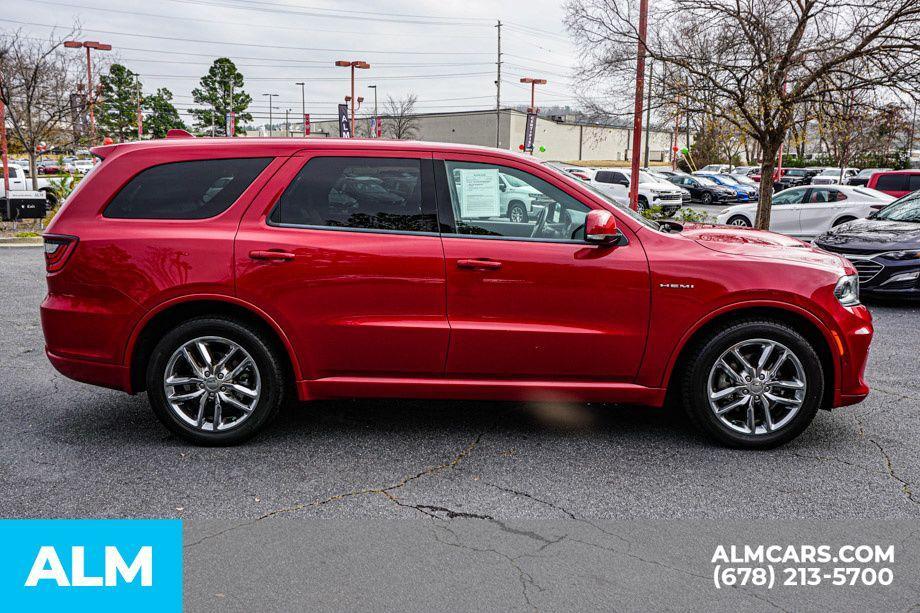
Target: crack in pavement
{"points": [[384, 491], [889, 466]]}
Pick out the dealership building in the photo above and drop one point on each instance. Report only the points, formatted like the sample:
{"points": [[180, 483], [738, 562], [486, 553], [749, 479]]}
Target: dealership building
{"points": [[559, 137]]}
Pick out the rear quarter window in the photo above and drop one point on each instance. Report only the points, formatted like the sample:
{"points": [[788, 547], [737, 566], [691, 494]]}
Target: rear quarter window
{"points": [[185, 190], [892, 182]]}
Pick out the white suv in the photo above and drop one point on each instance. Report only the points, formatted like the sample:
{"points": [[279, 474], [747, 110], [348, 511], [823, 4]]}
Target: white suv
{"points": [[614, 182]]}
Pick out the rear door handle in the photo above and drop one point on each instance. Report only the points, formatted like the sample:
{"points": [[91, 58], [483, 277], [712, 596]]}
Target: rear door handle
{"points": [[484, 264], [271, 254]]}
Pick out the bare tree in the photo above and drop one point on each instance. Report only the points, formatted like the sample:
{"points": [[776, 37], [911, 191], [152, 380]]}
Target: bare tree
{"points": [[400, 121], [760, 59], [38, 79]]}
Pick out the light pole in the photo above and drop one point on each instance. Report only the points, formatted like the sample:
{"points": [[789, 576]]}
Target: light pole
{"points": [[533, 93], [88, 45], [376, 117], [140, 116], [303, 106], [354, 64], [287, 123], [637, 111], [270, 96]]}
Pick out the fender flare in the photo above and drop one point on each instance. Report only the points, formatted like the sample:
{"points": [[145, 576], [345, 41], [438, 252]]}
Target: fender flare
{"points": [[829, 335], [256, 311]]}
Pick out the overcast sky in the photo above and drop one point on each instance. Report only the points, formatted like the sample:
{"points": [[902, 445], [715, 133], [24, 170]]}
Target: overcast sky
{"points": [[442, 51]]}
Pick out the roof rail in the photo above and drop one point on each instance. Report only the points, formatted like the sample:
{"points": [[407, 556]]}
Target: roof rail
{"points": [[177, 133]]}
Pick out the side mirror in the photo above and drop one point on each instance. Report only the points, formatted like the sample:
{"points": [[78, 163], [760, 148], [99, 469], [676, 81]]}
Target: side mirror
{"points": [[601, 227], [502, 187]]}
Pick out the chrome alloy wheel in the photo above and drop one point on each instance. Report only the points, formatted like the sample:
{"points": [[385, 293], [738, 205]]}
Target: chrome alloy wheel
{"points": [[738, 221], [757, 386], [212, 384]]}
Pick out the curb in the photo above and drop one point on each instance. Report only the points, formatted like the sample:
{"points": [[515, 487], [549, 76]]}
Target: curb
{"points": [[15, 241]]}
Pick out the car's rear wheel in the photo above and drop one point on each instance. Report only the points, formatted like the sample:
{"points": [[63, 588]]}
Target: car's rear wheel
{"points": [[214, 381], [739, 220], [756, 384], [643, 203]]}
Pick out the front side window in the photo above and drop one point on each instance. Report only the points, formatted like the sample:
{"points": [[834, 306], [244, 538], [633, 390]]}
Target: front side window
{"points": [[185, 190], [481, 208], [358, 193], [906, 209], [789, 196]]}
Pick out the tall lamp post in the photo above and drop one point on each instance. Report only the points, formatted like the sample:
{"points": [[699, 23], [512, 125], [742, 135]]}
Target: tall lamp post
{"points": [[303, 105], [89, 45], [376, 117], [353, 64], [270, 96], [533, 90]]}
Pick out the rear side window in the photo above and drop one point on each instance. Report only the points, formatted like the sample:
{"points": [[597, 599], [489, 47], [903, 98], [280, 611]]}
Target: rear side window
{"points": [[185, 190], [360, 194], [895, 183]]}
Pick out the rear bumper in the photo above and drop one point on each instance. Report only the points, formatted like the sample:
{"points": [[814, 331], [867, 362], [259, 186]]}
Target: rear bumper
{"points": [[112, 376]]}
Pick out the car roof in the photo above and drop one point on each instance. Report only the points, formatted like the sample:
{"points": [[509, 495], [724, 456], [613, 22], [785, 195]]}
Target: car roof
{"points": [[290, 146]]}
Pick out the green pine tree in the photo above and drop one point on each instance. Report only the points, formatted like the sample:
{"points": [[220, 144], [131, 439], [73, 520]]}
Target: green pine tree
{"points": [[116, 113], [214, 92], [160, 116]]}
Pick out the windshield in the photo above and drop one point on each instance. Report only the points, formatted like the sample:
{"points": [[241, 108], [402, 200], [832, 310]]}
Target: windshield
{"points": [[514, 181], [830, 172], [730, 180], [905, 209], [705, 181]]}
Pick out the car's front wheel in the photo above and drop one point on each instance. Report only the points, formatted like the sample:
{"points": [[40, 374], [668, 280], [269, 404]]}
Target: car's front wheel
{"points": [[517, 212], [706, 198], [756, 384], [215, 381], [739, 220]]}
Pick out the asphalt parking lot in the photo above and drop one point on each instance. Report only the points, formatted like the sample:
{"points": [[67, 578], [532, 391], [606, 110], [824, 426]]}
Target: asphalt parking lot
{"points": [[71, 450]]}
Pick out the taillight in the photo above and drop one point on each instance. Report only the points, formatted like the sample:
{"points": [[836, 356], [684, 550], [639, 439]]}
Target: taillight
{"points": [[57, 250]]}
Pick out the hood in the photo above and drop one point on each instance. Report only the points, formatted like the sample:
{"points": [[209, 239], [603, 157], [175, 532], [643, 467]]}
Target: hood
{"points": [[872, 236], [661, 185], [759, 243]]}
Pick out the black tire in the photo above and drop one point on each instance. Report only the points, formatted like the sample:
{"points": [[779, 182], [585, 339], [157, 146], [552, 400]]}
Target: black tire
{"points": [[267, 359], [50, 198], [701, 359], [706, 199], [643, 203], [739, 220], [843, 220], [518, 209]]}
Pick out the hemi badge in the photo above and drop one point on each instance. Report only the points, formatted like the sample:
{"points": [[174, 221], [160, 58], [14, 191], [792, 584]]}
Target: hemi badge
{"points": [[676, 285]]}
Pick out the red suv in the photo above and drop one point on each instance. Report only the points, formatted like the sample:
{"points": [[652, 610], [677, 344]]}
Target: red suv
{"points": [[222, 275], [895, 183]]}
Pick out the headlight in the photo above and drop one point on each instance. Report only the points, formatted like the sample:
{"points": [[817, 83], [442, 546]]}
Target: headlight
{"points": [[725, 211], [847, 290], [903, 255]]}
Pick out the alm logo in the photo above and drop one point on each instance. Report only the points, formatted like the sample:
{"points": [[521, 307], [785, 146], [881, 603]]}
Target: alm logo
{"points": [[48, 567]]}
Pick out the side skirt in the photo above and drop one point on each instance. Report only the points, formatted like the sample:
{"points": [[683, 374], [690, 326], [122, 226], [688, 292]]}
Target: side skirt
{"points": [[480, 389]]}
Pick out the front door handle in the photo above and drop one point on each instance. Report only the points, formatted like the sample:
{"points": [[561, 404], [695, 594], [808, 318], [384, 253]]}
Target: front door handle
{"points": [[275, 255], [483, 264]]}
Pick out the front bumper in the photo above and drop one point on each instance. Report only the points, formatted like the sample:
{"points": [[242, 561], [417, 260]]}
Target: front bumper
{"points": [[852, 347]]}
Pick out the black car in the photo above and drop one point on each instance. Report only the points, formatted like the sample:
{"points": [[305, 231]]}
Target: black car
{"points": [[863, 176], [885, 248], [794, 177], [703, 190]]}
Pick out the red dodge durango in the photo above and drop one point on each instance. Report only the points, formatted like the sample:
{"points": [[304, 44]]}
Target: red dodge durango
{"points": [[224, 275]]}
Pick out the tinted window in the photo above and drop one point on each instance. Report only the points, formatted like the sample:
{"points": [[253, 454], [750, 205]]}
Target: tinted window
{"points": [[789, 196], [540, 211], [892, 183], [185, 190], [358, 193], [914, 183]]}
